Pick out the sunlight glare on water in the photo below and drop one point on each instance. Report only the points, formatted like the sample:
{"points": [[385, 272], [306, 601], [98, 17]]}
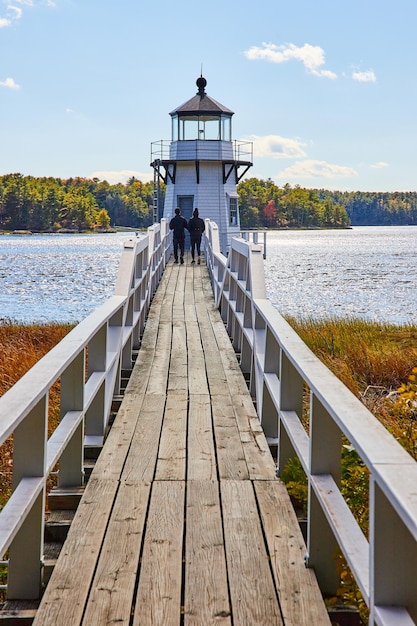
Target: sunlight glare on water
{"points": [[366, 272], [57, 277]]}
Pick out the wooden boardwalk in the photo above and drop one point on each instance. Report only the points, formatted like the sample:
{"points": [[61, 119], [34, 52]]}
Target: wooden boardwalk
{"points": [[183, 520]]}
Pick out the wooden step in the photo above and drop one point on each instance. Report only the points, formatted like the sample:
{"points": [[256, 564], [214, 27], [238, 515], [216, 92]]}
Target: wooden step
{"points": [[64, 498], [18, 612], [57, 524]]}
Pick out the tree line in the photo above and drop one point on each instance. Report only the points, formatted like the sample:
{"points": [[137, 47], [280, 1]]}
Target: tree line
{"points": [[75, 204], [377, 208], [52, 204], [263, 204]]}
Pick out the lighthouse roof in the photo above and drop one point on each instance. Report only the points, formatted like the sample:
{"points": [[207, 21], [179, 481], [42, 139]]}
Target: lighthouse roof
{"points": [[201, 103]]}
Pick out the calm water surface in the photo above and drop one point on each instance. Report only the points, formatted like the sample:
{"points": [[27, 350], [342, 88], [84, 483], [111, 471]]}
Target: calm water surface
{"points": [[370, 272]]}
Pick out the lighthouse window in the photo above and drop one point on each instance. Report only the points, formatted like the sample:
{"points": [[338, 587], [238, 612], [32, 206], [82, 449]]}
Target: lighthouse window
{"points": [[233, 211]]}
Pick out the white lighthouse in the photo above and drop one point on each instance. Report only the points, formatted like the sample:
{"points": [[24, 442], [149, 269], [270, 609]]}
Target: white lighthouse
{"points": [[201, 165]]}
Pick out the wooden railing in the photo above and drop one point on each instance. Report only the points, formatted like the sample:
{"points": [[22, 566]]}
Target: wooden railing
{"points": [[282, 372], [87, 364]]}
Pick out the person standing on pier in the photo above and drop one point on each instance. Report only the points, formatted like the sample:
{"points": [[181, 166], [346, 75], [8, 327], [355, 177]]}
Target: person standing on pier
{"points": [[178, 225], [196, 227]]}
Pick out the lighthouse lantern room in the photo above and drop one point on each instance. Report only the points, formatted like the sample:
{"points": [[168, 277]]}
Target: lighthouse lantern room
{"points": [[201, 165]]}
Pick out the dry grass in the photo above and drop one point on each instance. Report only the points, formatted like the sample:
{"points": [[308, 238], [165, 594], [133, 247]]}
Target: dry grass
{"points": [[371, 359], [362, 354]]}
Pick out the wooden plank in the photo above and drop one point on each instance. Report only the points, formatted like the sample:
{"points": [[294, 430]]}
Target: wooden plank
{"points": [[261, 465], [235, 378], [189, 296], [198, 273], [190, 314], [178, 299], [111, 596], [298, 590], [141, 459], [112, 458], [230, 456], [206, 598], [252, 590], [216, 375], [197, 377], [178, 357], [201, 459], [65, 596], [159, 592], [171, 463], [157, 383]]}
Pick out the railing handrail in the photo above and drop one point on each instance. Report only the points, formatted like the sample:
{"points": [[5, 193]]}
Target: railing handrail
{"points": [[88, 363], [280, 367]]}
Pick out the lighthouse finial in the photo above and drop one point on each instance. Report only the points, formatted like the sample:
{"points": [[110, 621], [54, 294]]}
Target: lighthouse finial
{"points": [[201, 84]]}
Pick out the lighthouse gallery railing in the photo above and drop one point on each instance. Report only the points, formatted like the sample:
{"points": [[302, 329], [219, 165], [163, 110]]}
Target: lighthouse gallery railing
{"points": [[282, 371], [88, 364]]}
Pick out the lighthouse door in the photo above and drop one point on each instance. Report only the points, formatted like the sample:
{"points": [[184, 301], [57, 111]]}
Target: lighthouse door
{"points": [[186, 205]]}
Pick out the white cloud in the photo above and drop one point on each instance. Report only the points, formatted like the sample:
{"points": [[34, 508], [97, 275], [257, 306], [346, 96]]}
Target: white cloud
{"points": [[9, 83], [312, 57], [316, 169], [122, 176], [16, 11], [380, 165], [276, 147], [364, 77]]}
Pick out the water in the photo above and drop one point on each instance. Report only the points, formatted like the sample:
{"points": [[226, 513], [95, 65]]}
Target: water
{"points": [[368, 272], [60, 278]]}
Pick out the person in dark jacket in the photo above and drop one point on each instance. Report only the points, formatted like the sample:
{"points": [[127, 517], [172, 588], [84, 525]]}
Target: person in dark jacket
{"points": [[178, 225], [196, 227]]}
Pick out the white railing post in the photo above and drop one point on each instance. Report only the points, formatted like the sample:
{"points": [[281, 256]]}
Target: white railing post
{"points": [[26, 550], [72, 399], [95, 420], [290, 399], [393, 558], [325, 458]]}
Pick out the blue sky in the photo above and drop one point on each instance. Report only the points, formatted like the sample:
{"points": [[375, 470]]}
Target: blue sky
{"points": [[326, 90]]}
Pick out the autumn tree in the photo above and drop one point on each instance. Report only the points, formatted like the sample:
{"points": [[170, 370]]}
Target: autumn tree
{"points": [[103, 219]]}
